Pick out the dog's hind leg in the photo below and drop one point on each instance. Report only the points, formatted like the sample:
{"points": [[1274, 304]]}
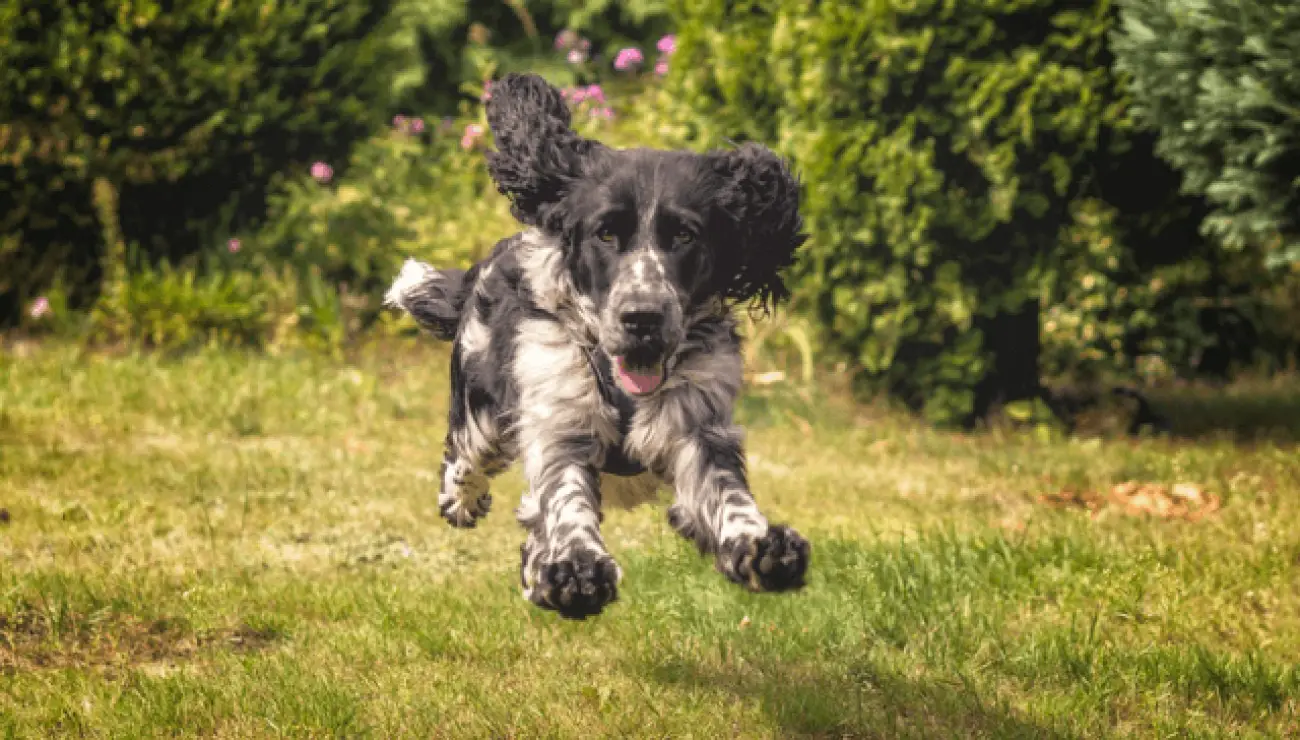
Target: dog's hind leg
{"points": [[472, 455], [464, 496]]}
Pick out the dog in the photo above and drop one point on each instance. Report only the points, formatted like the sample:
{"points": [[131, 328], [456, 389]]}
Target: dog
{"points": [[598, 345]]}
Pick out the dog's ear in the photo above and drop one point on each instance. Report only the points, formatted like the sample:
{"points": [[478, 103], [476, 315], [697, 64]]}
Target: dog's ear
{"points": [[538, 156], [760, 197]]}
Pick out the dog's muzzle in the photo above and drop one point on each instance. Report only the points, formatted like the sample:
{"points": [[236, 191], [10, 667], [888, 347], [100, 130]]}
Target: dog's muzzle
{"points": [[647, 335]]}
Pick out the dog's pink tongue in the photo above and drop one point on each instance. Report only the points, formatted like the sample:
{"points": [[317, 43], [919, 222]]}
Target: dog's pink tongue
{"points": [[634, 381]]}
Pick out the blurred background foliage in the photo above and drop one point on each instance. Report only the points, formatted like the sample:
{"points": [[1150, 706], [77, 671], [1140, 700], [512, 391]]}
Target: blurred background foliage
{"points": [[1002, 193]]}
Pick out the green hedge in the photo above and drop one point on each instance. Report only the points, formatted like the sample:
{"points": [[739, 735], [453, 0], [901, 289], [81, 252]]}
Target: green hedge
{"points": [[1217, 81], [186, 116], [946, 150]]}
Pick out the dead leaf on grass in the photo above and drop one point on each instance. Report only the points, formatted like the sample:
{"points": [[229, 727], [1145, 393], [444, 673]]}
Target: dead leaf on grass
{"points": [[1187, 501]]}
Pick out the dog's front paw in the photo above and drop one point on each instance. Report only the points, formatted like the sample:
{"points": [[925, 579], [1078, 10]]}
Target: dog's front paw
{"points": [[578, 584], [777, 561]]}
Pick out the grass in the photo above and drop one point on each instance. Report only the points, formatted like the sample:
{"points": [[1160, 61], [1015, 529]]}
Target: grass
{"points": [[247, 546]]}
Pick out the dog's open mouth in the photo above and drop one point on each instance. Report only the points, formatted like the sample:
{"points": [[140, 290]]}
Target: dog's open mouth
{"points": [[636, 378]]}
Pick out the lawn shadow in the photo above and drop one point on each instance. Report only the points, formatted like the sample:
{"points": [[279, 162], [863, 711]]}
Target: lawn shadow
{"points": [[1244, 413], [865, 701]]}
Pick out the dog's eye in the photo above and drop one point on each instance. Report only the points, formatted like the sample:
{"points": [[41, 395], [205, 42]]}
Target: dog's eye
{"points": [[604, 236], [683, 238]]}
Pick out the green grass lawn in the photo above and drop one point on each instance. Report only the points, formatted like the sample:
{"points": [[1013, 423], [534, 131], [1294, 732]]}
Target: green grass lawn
{"points": [[233, 545]]}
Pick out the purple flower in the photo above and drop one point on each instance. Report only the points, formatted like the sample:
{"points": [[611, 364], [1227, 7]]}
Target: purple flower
{"points": [[233, 246], [667, 45], [577, 56], [661, 67], [628, 58], [566, 39], [40, 307], [322, 172], [472, 134], [416, 125]]}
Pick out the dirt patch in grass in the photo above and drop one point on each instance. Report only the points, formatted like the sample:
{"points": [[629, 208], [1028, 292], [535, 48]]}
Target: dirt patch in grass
{"points": [[29, 640]]}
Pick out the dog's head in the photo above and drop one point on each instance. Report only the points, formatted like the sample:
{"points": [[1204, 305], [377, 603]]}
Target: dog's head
{"points": [[651, 237]]}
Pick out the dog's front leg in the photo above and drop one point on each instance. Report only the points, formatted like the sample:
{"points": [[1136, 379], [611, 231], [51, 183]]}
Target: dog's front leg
{"points": [[562, 431], [715, 508], [564, 564]]}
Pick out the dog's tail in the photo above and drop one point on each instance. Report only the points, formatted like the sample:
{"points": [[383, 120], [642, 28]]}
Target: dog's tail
{"points": [[433, 297]]}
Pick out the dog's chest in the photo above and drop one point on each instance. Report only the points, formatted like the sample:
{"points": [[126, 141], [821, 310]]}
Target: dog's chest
{"points": [[624, 482], [617, 461]]}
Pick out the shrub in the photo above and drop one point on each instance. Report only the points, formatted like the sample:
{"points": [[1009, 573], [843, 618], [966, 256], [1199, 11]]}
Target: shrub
{"points": [[945, 150], [407, 194], [188, 115], [315, 271], [1217, 82], [463, 43]]}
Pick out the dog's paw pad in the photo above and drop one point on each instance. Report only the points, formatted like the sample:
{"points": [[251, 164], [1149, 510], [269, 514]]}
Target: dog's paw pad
{"points": [[577, 585], [777, 561]]}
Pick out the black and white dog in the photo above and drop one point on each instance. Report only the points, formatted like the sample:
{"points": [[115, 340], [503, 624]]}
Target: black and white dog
{"points": [[598, 344]]}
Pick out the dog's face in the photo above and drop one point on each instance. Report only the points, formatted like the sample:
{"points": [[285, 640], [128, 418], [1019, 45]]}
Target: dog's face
{"points": [[651, 237], [644, 236]]}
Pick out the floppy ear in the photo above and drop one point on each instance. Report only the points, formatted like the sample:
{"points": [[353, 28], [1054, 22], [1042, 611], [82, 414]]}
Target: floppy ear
{"points": [[760, 197], [538, 156]]}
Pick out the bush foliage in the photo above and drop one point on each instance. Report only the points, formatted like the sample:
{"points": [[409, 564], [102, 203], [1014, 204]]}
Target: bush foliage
{"points": [[945, 148], [986, 210], [1217, 82], [188, 115]]}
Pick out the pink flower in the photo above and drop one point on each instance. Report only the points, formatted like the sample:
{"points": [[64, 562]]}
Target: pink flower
{"points": [[472, 134], [413, 125], [628, 58], [322, 172], [594, 92], [577, 95], [487, 91], [661, 67], [577, 56], [667, 45], [603, 112], [40, 307], [233, 246], [566, 39]]}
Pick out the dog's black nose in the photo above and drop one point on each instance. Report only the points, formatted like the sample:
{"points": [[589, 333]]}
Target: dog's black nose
{"points": [[642, 323]]}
